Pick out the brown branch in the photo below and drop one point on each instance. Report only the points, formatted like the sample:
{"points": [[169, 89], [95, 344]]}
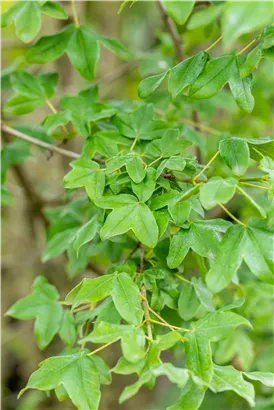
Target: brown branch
{"points": [[51, 148], [171, 28], [42, 144], [129, 256]]}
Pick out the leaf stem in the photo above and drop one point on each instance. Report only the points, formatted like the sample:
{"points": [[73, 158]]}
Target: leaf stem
{"points": [[164, 321], [205, 167], [134, 143], [214, 44], [246, 47], [182, 279], [174, 327], [230, 214], [103, 347], [86, 306], [74, 12], [255, 186], [51, 107], [156, 160]]}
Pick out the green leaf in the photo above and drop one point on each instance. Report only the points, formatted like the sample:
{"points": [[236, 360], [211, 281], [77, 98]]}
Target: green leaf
{"points": [[191, 397], [257, 253], [55, 10], [48, 82], [125, 367], [179, 247], [125, 295], [83, 51], [162, 200], [133, 389], [180, 211], [145, 188], [135, 168], [202, 240], [8, 16], [186, 73], [115, 201], [267, 378], [168, 340], [188, 302], [228, 259], [174, 374], [241, 89], [244, 17], [150, 84], [268, 37], [179, 11], [133, 345], [227, 378], [213, 78], [28, 21], [20, 105], [137, 217], [162, 220], [90, 290], [58, 244], [70, 371], [49, 48], [105, 332], [86, 233], [235, 153], [199, 356], [203, 294], [259, 208], [67, 330], [86, 173], [42, 305], [218, 325], [239, 345], [263, 147], [251, 62], [116, 47], [217, 190]]}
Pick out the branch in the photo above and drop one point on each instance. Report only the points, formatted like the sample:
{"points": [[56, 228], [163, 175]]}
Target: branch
{"points": [[170, 26], [42, 144]]}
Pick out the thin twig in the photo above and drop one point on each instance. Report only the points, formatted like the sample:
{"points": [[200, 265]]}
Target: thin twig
{"points": [[129, 256], [146, 310], [171, 28], [103, 347], [42, 144]]}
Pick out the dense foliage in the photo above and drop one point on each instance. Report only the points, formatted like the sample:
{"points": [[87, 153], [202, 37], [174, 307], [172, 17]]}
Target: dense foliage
{"points": [[178, 263]]}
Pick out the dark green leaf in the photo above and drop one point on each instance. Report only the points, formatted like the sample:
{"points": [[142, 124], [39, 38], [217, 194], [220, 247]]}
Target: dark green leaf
{"points": [[83, 51], [228, 259], [42, 305], [186, 73], [235, 153], [227, 378], [126, 298]]}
